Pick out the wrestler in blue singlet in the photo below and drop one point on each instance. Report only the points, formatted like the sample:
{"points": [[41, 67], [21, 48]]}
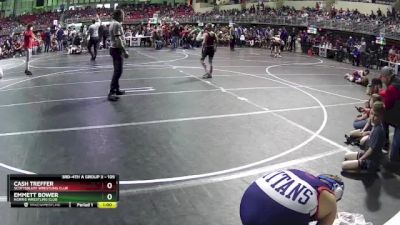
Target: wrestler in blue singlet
{"points": [[285, 197]]}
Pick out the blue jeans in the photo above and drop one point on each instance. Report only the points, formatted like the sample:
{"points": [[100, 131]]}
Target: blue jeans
{"points": [[60, 45], [395, 150], [359, 124], [46, 46], [158, 44], [174, 41]]}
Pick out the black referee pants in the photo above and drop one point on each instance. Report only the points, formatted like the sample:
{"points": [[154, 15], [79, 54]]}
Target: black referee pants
{"points": [[93, 41]]}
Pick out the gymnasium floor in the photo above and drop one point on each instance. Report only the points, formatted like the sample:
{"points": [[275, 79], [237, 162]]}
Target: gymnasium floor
{"points": [[185, 148]]}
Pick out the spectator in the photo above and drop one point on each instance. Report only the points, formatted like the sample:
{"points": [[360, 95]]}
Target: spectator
{"points": [[158, 44], [374, 87], [103, 34], [242, 40], [47, 40], [362, 124], [379, 12], [60, 39], [391, 99], [363, 49], [18, 48], [356, 56], [232, 38], [293, 40], [370, 159], [350, 44], [28, 45], [284, 37], [175, 35]]}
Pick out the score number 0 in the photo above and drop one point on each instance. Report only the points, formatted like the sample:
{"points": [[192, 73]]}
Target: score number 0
{"points": [[109, 186]]}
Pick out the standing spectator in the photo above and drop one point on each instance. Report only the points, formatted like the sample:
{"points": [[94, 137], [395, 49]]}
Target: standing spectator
{"points": [[101, 32], [391, 99], [232, 38], [379, 12], [47, 40], [304, 42], [43, 36], [175, 36], [388, 13], [293, 40], [28, 45], [356, 57], [393, 13], [363, 49], [117, 49], [60, 39], [372, 50], [94, 37], [350, 44], [105, 35], [372, 15], [284, 37], [242, 40]]}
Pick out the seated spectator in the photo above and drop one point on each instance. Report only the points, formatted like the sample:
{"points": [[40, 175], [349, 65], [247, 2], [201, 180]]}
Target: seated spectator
{"points": [[54, 44], [392, 56], [391, 99], [358, 77], [158, 43], [18, 48], [356, 136], [362, 119], [374, 87], [369, 160]]}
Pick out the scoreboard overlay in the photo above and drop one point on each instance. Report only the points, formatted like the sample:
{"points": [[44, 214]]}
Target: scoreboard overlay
{"points": [[63, 191]]}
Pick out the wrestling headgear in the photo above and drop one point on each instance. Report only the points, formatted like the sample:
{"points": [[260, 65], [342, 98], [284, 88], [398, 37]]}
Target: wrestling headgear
{"points": [[335, 183]]}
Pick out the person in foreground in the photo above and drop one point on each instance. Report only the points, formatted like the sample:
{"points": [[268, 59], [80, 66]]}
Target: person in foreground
{"points": [[291, 197], [117, 49]]}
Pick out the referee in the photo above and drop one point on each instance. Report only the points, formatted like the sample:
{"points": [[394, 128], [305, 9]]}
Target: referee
{"points": [[117, 49]]}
